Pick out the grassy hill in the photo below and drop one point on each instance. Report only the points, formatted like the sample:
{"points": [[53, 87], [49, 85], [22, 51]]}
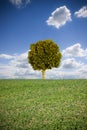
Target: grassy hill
{"points": [[43, 104]]}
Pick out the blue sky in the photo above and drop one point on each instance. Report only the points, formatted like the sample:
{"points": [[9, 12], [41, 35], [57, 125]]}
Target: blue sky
{"points": [[23, 22]]}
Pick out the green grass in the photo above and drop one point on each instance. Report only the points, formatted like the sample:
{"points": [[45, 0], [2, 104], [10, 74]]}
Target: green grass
{"points": [[43, 104]]}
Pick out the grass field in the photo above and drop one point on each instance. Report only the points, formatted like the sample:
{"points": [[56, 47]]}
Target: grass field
{"points": [[43, 104]]}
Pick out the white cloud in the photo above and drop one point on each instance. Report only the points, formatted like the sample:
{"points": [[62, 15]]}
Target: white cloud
{"points": [[20, 3], [5, 56], [20, 61], [75, 51], [83, 72], [64, 73], [6, 71], [18, 67], [59, 17], [82, 12], [71, 63], [70, 68]]}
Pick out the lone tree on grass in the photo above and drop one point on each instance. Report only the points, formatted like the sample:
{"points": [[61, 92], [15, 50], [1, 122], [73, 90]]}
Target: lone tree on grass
{"points": [[44, 55]]}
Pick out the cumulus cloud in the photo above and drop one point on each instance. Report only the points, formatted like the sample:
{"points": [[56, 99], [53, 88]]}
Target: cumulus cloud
{"points": [[82, 12], [20, 3], [72, 67], [18, 67], [6, 71], [75, 51], [83, 72], [5, 56], [20, 61], [73, 72], [59, 17], [71, 63], [27, 73]]}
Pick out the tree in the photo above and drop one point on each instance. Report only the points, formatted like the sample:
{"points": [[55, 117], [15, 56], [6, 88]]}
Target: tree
{"points": [[44, 55]]}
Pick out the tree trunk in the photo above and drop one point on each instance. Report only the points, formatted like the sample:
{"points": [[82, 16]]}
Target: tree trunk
{"points": [[43, 74]]}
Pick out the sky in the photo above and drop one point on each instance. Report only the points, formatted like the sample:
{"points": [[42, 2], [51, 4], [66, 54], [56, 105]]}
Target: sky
{"points": [[23, 22]]}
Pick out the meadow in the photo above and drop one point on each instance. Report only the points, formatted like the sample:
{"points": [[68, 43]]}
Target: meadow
{"points": [[43, 104]]}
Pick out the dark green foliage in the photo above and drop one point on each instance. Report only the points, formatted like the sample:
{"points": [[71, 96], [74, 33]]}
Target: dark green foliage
{"points": [[44, 55]]}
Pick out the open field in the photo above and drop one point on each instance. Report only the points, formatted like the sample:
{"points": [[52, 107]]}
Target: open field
{"points": [[43, 104]]}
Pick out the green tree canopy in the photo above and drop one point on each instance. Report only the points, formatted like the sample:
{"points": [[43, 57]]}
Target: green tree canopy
{"points": [[44, 55]]}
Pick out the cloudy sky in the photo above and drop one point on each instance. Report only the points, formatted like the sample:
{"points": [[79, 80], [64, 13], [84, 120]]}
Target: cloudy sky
{"points": [[23, 22]]}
